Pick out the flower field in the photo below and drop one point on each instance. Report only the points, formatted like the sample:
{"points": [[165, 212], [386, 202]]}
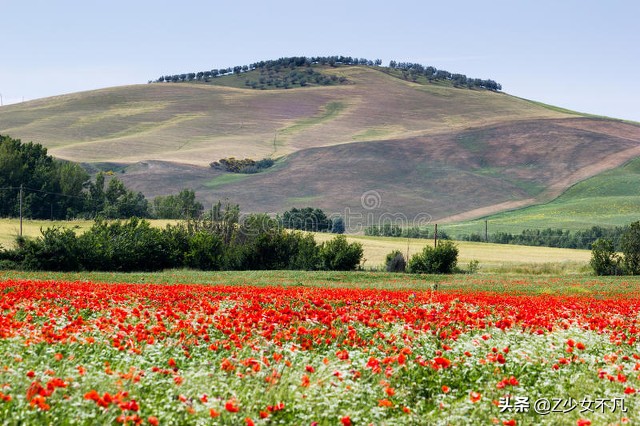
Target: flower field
{"points": [[92, 353]]}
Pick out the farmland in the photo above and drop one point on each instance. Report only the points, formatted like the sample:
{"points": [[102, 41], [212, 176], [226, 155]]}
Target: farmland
{"points": [[326, 347], [608, 199], [425, 148]]}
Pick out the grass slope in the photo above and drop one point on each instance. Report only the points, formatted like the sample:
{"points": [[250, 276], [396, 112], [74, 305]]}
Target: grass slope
{"points": [[608, 199], [425, 178], [198, 123]]}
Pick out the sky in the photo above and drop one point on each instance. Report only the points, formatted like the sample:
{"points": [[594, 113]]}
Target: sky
{"points": [[577, 54]]}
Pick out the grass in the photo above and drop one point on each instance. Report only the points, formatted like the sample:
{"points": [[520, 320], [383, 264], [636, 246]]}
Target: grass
{"points": [[195, 123], [492, 257], [329, 111], [225, 179], [609, 199], [514, 283]]}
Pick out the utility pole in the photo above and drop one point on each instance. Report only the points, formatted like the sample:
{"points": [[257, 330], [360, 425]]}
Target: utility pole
{"points": [[486, 232], [435, 236], [21, 210]]}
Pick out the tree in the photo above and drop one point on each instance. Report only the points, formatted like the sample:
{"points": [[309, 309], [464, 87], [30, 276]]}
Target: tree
{"points": [[337, 226], [604, 259], [52, 188], [180, 206], [630, 245], [306, 219], [122, 203]]}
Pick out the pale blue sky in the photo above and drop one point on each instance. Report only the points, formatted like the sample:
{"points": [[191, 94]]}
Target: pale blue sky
{"points": [[578, 54]]}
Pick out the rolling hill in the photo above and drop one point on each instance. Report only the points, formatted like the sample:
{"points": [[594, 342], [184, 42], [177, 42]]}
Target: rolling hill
{"points": [[379, 146]]}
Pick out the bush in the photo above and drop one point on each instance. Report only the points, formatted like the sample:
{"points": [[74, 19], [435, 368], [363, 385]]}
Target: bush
{"points": [[205, 251], [307, 255], [395, 262], [131, 245], [339, 255], [56, 250], [439, 260], [337, 225]]}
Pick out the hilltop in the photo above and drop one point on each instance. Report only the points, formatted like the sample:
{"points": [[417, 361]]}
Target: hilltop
{"points": [[431, 149]]}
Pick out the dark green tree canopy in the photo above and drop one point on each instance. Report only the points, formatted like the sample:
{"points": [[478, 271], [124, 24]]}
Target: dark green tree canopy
{"points": [[52, 189]]}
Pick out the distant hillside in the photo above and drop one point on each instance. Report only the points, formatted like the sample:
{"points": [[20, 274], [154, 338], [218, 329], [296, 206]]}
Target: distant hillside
{"points": [[421, 147], [608, 200]]}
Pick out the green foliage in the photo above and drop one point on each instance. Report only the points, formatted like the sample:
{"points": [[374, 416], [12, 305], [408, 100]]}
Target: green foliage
{"points": [[245, 165], [473, 267], [306, 219], [217, 241], [122, 203], [181, 206], [385, 230], [56, 250], [131, 245], [439, 260], [307, 252], [298, 71], [391, 230], [630, 245], [551, 237], [53, 189], [205, 251], [395, 262], [337, 225], [339, 255], [604, 259]]}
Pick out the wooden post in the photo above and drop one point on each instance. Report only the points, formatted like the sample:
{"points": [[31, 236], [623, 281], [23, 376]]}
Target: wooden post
{"points": [[486, 232], [435, 236], [21, 210]]}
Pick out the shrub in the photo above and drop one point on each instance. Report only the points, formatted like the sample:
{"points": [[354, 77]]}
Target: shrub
{"points": [[604, 259], [340, 255], [307, 255], [245, 165], [473, 266], [439, 260], [131, 245], [395, 262], [205, 251], [56, 250], [337, 225]]}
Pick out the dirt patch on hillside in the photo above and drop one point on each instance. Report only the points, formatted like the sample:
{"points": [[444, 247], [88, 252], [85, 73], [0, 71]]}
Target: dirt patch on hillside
{"points": [[446, 177], [478, 172]]}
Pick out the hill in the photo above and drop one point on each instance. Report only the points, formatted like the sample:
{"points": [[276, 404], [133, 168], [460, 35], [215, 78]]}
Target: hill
{"points": [[609, 199], [416, 149]]}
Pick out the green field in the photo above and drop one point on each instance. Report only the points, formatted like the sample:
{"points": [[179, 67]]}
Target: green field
{"points": [[609, 199]]}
